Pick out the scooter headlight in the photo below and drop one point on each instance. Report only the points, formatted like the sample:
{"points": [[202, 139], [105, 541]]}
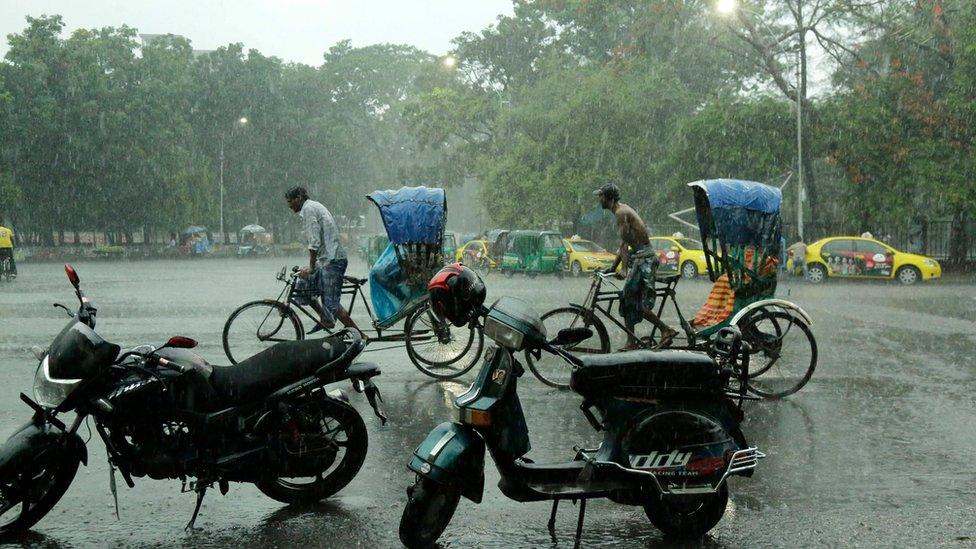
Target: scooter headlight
{"points": [[50, 392], [503, 334]]}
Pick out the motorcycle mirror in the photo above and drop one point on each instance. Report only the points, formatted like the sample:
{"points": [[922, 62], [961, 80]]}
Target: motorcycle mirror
{"points": [[181, 342], [72, 275], [571, 336]]}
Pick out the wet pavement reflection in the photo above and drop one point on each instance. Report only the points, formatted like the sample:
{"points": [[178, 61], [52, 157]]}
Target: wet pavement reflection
{"points": [[876, 450]]}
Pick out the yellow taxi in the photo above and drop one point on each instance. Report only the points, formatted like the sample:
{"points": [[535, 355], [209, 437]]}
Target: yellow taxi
{"points": [[585, 256], [475, 254], [859, 257], [689, 254]]}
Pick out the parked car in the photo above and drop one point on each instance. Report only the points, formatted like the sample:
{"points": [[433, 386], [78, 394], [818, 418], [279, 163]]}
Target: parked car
{"points": [[858, 257], [680, 254], [586, 256]]}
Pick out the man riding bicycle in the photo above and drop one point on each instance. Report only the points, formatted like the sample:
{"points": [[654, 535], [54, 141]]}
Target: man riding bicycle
{"points": [[640, 263], [7, 249]]}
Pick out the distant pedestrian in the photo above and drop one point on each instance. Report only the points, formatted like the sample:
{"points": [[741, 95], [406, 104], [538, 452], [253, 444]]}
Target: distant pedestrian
{"points": [[327, 259], [7, 248], [798, 251]]}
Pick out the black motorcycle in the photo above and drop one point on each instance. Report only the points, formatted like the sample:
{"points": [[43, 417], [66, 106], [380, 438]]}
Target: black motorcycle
{"points": [[166, 413]]}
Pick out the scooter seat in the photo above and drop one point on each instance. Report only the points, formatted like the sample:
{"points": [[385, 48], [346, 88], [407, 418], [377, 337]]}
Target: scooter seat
{"points": [[273, 368], [640, 374]]}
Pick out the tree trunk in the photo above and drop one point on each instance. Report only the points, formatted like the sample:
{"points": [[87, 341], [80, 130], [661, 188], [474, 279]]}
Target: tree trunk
{"points": [[958, 239]]}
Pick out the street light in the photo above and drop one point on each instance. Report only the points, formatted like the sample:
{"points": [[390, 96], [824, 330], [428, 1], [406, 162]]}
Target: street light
{"points": [[726, 7], [729, 7], [449, 61], [241, 122]]}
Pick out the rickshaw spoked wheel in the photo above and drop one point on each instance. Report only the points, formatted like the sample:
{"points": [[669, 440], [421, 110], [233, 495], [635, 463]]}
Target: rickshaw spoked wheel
{"points": [[786, 348]]}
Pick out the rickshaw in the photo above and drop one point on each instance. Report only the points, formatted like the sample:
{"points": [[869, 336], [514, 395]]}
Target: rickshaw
{"points": [[740, 233], [534, 253], [195, 240], [414, 219], [254, 240]]}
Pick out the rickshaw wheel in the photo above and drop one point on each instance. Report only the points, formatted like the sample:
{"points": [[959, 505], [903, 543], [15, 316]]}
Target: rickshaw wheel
{"points": [[257, 325], [437, 359], [788, 349], [554, 371]]}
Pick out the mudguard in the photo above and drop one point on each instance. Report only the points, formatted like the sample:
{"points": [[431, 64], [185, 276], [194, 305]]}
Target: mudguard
{"points": [[787, 306], [34, 437], [453, 454]]}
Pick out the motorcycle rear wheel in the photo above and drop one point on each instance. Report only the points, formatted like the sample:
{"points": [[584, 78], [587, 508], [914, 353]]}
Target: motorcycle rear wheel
{"points": [[430, 507], [43, 478], [687, 517], [341, 428]]}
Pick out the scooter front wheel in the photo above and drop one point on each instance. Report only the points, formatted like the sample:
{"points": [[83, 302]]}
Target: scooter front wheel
{"points": [[687, 516], [430, 507]]}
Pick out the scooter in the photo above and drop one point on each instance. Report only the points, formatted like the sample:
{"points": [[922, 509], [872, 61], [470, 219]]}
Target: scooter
{"points": [[670, 423]]}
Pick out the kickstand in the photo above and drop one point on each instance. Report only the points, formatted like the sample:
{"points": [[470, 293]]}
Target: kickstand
{"points": [[113, 488], [579, 523], [201, 490], [552, 519]]}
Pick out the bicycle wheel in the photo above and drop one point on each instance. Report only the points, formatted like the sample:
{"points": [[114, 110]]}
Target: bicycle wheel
{"points": [[439, 349], [783, 348], [553, 370], [257, 325]]}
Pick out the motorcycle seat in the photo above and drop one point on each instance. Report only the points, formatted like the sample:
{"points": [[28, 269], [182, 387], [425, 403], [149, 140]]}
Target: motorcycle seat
{"points": [[273, 368], [638, 374]]}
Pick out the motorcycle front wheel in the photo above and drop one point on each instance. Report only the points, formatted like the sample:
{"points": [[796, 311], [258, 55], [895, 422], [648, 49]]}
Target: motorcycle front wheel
{"points": [[430, 507], [687, 517], [327, 437], [29, 491]]}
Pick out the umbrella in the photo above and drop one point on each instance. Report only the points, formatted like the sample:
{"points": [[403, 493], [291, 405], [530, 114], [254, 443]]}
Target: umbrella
{"points": [[193, 229], [252, 228]]}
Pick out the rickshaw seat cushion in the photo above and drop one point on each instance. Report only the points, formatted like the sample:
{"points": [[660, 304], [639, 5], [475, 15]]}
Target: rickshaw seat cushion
{"points": [[644, 374]]}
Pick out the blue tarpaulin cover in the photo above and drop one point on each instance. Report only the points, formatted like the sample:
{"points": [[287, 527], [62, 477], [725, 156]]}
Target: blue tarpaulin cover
{"points": [[388, 288], [743, 213], [737, 193], [412, 214]]}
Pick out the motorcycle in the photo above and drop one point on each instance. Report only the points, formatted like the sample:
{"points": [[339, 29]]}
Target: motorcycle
{"points": [[670, 423], [165, 413]]}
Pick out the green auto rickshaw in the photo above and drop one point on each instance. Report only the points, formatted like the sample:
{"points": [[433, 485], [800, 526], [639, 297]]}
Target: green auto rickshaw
{"points": [[534, 253], [374, 248], [449, 247]]}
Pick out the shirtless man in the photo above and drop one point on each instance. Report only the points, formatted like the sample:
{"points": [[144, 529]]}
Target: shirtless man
{"points": [[640, 263]]}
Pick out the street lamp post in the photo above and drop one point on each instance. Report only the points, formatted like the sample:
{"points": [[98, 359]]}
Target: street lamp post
{"points": [[241, 122]]}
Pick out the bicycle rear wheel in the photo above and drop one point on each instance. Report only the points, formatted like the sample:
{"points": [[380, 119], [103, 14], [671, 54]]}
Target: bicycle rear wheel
{"points": [[784, 350], [439, 349], [553, 370], [257, 325]]}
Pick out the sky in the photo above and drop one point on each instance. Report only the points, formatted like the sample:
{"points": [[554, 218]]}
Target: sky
{"points": [[294, 30]]}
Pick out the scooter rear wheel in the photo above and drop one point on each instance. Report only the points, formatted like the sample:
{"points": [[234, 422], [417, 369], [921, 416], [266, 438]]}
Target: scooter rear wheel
{"points": [[687, 517], [430, 507]]}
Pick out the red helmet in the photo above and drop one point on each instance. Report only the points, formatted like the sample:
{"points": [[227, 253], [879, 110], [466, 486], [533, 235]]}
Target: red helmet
{"points": [[456, 293]]}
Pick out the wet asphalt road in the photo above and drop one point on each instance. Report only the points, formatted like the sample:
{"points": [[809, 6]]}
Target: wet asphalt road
{"points": [[877, 450]]}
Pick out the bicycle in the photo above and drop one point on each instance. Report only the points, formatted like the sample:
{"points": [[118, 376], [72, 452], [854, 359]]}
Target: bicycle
{"points": [[768, 330], [434, 346]]}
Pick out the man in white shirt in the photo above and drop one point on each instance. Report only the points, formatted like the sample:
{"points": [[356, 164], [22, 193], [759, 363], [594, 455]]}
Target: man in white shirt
{"points": [[327, 260]]}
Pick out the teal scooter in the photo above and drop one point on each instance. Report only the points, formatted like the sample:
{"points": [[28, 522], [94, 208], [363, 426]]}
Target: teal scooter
{"points": [[670, 423]]}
